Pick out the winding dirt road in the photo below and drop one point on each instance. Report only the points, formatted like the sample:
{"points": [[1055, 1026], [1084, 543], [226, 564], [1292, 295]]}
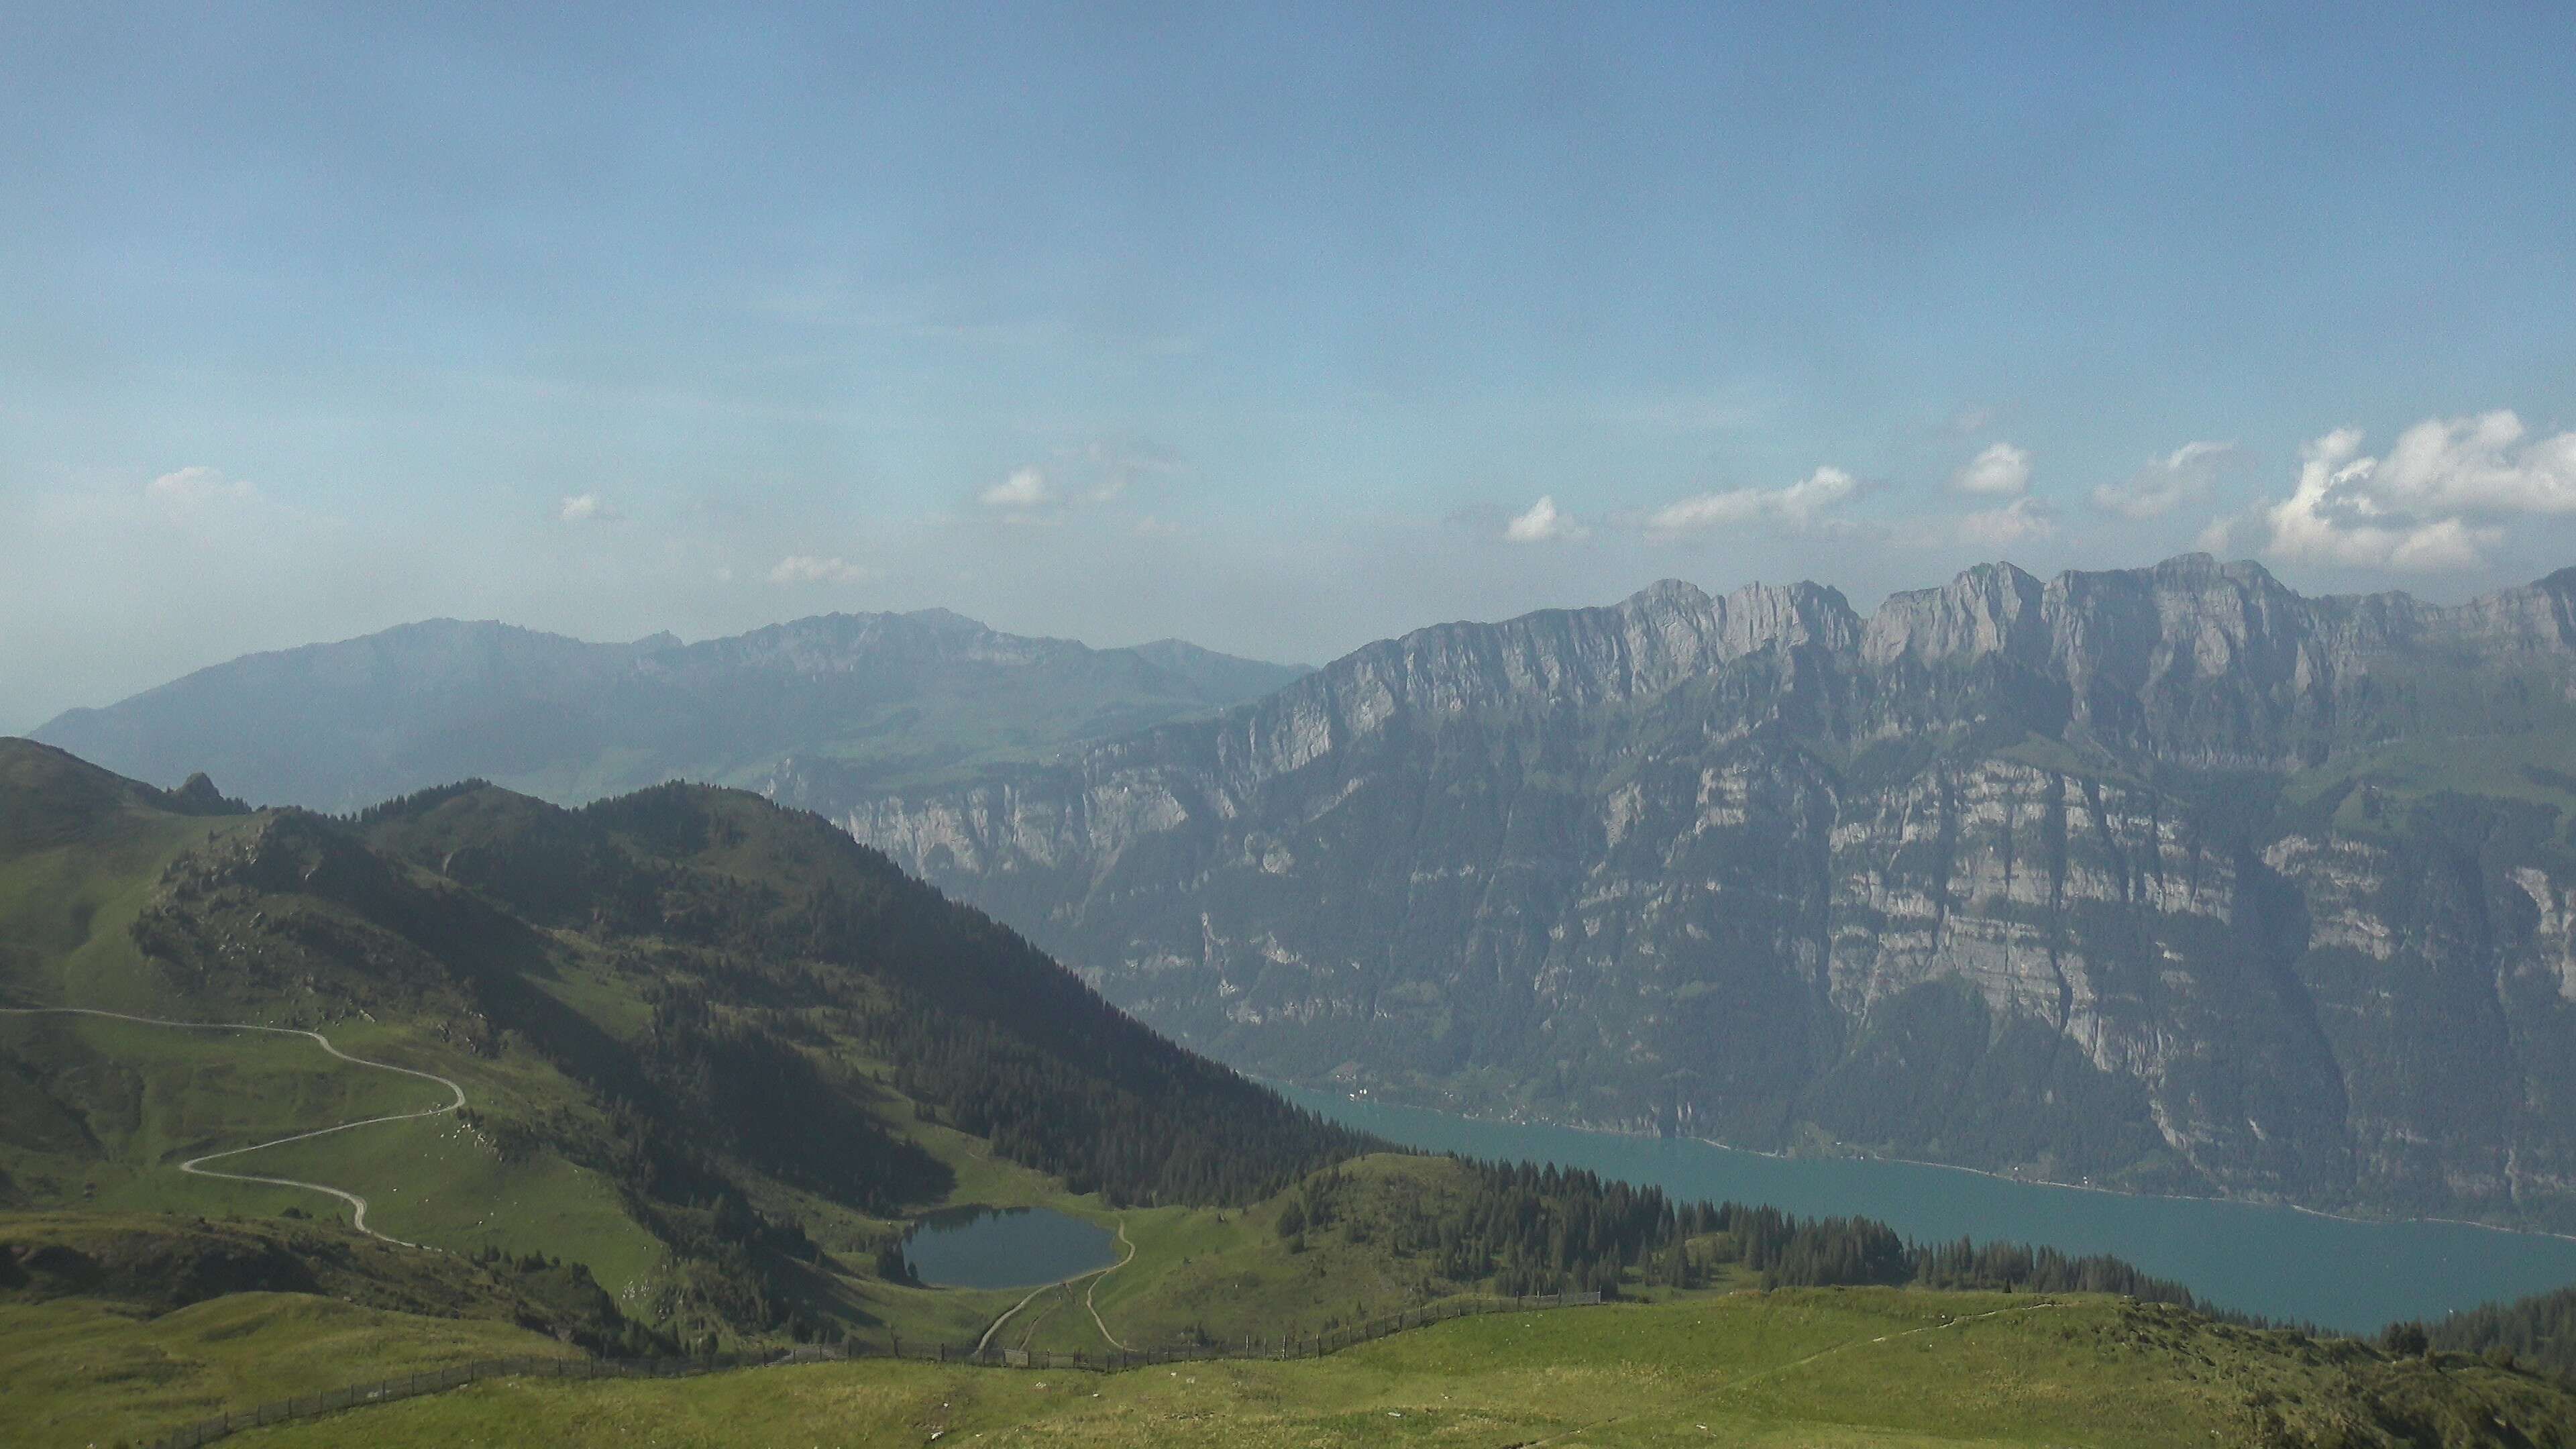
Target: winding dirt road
{"points": [[195, 1166], [1095, 1286], [1095, 1275]]}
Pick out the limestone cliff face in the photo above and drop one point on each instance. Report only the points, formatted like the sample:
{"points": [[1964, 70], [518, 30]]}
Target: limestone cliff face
{"points": [[2120, 876]]}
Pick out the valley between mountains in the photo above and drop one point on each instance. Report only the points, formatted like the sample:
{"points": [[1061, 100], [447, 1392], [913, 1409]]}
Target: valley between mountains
{"points": [[2165, 879], [1716, 866], [714, 1057]]}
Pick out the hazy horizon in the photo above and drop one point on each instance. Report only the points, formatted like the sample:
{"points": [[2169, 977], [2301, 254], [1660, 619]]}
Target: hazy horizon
{"points": [[1278, 333], [1864, 605]]}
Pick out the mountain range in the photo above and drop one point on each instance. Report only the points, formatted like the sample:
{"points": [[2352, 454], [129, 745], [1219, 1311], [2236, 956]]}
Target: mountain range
{"points": [[679, 1070], [869, 699], [2168, 879]]}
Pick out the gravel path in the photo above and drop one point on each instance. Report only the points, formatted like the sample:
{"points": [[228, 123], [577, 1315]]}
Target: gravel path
{"points": [[195, 1166], [1095, 1285], [1095, 1275]]}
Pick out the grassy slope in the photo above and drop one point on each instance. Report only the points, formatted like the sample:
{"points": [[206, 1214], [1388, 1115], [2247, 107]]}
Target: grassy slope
{"points": [[71, 885], [120, 1324], [67, 910], [1227, 1274], [68, 896], [1223, 1272], [1830, 1367], [68, 899], [80, 1371], [2537, 768], [159, 1095], [152, 1096]]}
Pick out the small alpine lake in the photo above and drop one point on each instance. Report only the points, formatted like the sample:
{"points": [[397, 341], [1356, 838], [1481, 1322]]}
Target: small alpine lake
{"points": [[987, 1247], [2277, 1261]]}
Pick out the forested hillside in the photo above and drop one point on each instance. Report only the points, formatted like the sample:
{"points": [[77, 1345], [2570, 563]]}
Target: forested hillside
{"points": [[2538, 1332], [716, 1058], [709, 1025]]}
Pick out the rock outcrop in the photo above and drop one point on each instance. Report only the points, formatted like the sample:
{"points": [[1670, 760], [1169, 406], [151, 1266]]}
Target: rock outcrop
{"points": [[2166, 878]]}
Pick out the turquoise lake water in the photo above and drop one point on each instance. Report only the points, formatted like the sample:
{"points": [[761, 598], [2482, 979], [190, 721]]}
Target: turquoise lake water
{"points": [[1005, 1247], [2276, 1261]]}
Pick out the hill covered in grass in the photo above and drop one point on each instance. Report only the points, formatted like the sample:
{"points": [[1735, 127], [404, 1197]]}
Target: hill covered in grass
{"points": [[718, 1058], [1866, 1369], [713, 1049]]}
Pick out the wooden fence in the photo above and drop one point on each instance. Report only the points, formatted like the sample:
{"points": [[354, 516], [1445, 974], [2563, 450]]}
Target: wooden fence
{"points": [[430, 1381]]}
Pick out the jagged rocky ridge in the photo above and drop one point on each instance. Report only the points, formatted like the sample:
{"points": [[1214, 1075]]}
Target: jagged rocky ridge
{"points": [[2165, 878]]}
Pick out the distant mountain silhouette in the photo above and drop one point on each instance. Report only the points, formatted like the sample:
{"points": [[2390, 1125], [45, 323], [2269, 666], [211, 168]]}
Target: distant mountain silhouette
{"points": [[877, 698]]}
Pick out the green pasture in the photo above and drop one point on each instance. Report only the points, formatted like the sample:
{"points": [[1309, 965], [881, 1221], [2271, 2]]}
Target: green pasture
{"points": [[1825, 1367], [79, 1372]]}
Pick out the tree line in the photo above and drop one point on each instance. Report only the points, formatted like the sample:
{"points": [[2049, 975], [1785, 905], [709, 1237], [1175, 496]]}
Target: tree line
{"points": [[1528, 1228]]}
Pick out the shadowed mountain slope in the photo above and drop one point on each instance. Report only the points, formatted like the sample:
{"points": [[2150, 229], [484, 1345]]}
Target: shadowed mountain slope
{"points": [[702, 1037]]}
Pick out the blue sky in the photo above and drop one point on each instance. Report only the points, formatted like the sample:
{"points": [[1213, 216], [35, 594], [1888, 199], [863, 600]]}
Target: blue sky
{"points": [[1270, 330]]}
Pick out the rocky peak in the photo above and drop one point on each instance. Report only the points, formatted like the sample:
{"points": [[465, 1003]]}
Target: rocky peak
{"points": [[2537, 617], [1668, 597], [1641, 646], [2191, 614], [200, 797], [1991, 609], [1758, 616]]}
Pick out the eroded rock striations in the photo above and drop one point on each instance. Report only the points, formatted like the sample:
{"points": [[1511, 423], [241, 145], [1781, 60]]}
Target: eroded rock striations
{"points": [[2166, 878]]}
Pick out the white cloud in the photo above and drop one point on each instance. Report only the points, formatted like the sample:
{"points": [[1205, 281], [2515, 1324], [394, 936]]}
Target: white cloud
{"points": [[1026, 488], [2433, 504], [1797, 505], [196, 489], [2185, 475], [2471, 466], [2001, 469], [2234, 536], [807, 569], [2019, 521], [1972, 419], [1543, 524], [586, 508]]}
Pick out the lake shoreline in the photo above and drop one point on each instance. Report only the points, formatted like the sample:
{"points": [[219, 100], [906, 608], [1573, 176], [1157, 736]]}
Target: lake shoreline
{"points": [[1004, 1249], [1987, 1173], [2345, 1274]]}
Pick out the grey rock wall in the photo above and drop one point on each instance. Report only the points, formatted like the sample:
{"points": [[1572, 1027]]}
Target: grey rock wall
{"points": [[2078, 876]]}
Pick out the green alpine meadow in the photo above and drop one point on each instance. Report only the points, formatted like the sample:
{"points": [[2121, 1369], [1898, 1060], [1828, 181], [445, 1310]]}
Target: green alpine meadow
{"points": [[1313, 725], [715, 1060]]}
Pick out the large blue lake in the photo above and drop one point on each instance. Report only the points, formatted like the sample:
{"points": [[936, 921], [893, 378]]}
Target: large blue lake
{"points": [[981, 1247], [2276, 1261]]}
